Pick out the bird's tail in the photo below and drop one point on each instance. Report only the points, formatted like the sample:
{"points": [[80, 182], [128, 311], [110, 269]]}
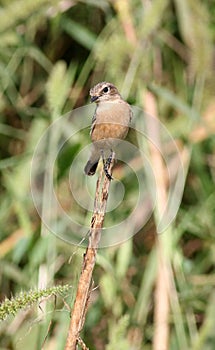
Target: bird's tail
{"points": [[90, 167]]}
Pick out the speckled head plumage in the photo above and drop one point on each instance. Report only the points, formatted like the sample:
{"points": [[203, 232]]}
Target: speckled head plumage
{"points": [[104, 91]]}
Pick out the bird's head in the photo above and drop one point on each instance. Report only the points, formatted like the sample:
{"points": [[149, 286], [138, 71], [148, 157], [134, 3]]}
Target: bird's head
{"points": [[104, 91]]}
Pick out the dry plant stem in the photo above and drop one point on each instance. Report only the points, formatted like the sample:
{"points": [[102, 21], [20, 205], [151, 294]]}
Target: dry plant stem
{"points": [[85, 281], [124, 12], [162, 304]]}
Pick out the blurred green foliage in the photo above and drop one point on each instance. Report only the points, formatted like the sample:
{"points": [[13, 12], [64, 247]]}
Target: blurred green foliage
{"points": [[51, 53]]}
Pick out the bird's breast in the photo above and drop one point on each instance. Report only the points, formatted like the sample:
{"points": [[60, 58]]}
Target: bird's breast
{"points": [[111, 121]]}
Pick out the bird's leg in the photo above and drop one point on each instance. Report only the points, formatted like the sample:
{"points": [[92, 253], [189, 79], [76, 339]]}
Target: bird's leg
{"points": [[109, 160], [106, 164]]}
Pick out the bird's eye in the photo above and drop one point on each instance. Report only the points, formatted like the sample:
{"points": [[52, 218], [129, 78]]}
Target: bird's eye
{"points": [[106, 89]]}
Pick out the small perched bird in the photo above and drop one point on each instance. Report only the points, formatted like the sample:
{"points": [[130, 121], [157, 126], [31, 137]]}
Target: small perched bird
{"points": [[110, 123]]}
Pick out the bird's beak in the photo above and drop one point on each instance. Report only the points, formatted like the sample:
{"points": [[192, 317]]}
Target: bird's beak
{"points": [[94, 98]]}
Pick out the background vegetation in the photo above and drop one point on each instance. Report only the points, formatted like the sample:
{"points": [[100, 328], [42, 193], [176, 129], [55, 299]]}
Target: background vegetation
{"points": [[51, 53]]}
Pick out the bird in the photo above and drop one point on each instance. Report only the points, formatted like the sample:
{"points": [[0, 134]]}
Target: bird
{"points": [[110, 124]]}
